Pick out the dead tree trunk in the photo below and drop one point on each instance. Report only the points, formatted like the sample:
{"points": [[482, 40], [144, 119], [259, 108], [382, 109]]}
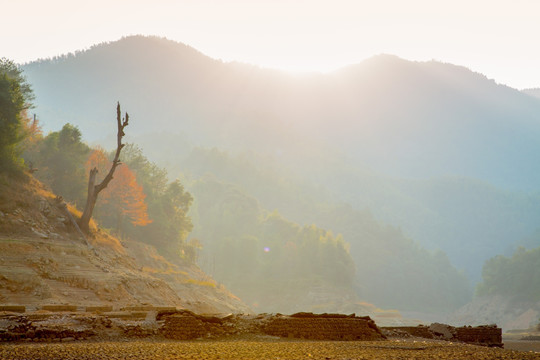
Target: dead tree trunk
{"points": [[93, 189]]}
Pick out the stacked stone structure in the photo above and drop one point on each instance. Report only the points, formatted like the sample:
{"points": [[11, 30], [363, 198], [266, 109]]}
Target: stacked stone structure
{"points": [[60, 322], [488, 335], [323, 327], [183, 327]]}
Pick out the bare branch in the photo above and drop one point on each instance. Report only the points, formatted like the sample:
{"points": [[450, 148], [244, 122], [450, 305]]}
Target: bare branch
{"points": [[94, 190]]}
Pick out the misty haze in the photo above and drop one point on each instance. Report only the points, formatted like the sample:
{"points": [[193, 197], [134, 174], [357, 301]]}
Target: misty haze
{"points": [[407, 191]]}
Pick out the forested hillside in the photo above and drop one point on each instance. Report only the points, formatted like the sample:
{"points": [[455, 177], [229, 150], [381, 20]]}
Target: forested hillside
{"points": [[141, 203], [47, 259], [396, 156], [386, 260], [267, 260], [517, 276], [467, 218], [509, 292]]}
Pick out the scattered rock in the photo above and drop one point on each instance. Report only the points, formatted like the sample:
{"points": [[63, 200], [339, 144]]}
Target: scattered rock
{"points": [[485, 335], [443, 331]]}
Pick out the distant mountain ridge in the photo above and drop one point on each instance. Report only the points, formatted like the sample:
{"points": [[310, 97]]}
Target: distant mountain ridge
{"points": [[403, 118]]}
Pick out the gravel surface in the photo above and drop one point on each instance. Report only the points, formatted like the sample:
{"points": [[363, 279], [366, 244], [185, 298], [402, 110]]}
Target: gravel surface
{"points": [[256, 349]]}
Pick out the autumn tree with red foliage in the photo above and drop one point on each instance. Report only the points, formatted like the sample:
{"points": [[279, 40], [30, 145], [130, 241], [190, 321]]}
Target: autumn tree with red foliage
{"points": [[123, 198], [98, 160]]}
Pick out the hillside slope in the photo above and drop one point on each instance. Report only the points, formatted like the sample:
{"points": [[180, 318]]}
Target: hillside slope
{"points": [[44, 261]]}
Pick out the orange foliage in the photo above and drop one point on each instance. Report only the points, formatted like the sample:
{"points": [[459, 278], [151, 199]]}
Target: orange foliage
{"points": [[123, 196], [98, 159], [32, 129], [127, 196]]}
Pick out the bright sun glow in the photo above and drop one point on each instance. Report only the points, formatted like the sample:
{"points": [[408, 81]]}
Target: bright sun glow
{"points": [[302, 66], [315, 35]]}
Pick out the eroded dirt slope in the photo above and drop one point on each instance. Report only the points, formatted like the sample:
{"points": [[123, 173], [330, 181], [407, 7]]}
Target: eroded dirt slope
{"points": [[43, 260]]}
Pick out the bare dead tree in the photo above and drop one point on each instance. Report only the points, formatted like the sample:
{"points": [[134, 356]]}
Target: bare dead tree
{"points": [[93, 189]]}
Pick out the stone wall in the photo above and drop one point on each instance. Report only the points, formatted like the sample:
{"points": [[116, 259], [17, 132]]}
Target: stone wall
{"points": [[490, 335], [486, 335], [183, 327], [323, 328], [186, 326]]}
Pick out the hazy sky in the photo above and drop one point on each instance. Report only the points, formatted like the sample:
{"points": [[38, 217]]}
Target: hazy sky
{"points": [[499, 38]]}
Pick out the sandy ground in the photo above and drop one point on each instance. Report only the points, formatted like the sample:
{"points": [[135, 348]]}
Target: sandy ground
{"points": [[257, 349]]}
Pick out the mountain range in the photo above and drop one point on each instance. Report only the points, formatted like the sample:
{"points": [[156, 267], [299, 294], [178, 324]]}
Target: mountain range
{"points": [[397, 117], [444, 155]]}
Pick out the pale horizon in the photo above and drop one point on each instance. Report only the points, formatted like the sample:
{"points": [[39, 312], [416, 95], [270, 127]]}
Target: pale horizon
{"points": [[495, 38]]}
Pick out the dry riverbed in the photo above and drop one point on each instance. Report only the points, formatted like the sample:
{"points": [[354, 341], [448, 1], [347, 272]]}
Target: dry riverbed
{"points": [[256, 348]]}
